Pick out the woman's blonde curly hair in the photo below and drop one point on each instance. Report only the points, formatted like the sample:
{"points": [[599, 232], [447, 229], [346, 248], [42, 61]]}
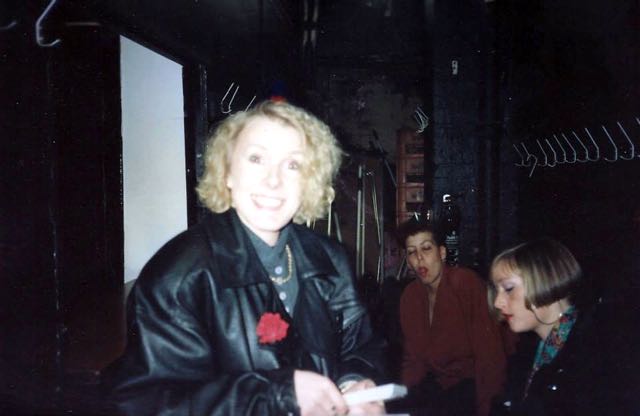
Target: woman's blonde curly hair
{"points": [[321, 160]]}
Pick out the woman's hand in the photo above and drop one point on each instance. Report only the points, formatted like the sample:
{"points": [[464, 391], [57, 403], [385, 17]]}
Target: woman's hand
{"points": [[317, 395], [369, 408]]}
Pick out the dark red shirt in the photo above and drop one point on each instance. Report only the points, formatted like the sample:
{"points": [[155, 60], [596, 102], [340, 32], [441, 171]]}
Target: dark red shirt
{"points": [[462, 341]]}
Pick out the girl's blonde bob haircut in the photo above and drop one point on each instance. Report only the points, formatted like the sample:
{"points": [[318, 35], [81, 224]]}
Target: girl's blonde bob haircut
{"points": [[321, 160], [548, 270]]}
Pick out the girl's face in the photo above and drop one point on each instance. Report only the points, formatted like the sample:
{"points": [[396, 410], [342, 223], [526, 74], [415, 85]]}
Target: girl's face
{"points": [[510, 299], [425, 257], [264, 176]]}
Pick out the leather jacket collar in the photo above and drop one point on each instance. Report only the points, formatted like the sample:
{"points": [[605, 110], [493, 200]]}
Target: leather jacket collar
{"points": [[233, 251]]}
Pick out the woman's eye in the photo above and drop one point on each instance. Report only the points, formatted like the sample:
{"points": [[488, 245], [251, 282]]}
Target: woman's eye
{"points": [[294, 165], [411, 252], [508, 289], [426, 248], [254, 158]]}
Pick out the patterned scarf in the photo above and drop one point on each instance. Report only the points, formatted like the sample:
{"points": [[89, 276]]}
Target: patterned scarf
{"points": [[548, 348]]}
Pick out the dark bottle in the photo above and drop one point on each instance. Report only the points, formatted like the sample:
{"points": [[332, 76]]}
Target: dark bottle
{"points": [[451, 224]]}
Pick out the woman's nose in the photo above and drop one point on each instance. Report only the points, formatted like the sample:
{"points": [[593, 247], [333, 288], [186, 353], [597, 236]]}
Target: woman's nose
{"points": [[273, 176], [498, 302]]}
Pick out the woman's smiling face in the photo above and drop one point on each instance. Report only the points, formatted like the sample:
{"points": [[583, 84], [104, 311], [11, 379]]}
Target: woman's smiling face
{"points": [[264, 176], [425, 257]]}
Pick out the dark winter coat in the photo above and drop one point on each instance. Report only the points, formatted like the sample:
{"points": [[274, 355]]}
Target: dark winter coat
{"points": [[595, 373]]}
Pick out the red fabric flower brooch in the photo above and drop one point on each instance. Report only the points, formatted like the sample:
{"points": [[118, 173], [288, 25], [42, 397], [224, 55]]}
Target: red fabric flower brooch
{"points": [[271, 328]]}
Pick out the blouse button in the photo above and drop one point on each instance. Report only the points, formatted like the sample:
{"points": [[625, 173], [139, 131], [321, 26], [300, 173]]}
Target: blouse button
{"points": [[282, 295], [278, 270]]}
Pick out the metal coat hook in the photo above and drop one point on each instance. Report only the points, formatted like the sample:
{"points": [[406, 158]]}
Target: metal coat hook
{"points": [[521, 164], [228, 106], [422, 119], [546, 159], [615, 148], [530, 156], [250, 102], [595, 144], [632, 148], [39, 38], [533, 167], [9, 26], [586, 150], [555, 156], [573, 149], [564, 154]]}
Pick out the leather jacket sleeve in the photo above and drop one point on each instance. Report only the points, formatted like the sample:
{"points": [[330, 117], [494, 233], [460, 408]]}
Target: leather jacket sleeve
{"points": [[169, 369]]}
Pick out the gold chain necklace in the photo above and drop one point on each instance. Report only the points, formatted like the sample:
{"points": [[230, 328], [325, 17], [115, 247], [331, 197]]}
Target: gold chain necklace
{"points": [[283, 280]]}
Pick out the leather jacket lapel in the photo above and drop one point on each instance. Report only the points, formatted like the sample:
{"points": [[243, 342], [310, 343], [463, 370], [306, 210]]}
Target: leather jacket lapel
{"points": [[313, 318], [233, 253]]}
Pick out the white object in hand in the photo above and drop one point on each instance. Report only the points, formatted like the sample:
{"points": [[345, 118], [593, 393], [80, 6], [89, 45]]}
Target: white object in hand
{"points": [[374, 394]]}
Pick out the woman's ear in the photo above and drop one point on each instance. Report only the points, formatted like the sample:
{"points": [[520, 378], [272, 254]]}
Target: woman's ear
{"points": [[443, 252]]}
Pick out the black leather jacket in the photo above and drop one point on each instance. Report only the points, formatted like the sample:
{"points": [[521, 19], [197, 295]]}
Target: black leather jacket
{"points": [[192, 315]]}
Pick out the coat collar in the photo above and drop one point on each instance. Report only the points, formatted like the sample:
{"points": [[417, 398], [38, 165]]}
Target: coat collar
{"points": [[238, 263]]}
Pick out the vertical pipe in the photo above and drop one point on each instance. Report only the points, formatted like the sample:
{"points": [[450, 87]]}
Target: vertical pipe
{"points": [[53, 217], [363, 222], [493, 134], [358, 223], [429, 104], [381, 225]]}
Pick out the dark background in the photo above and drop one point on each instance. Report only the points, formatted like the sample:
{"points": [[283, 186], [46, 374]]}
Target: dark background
{"points": [[527, 70]]}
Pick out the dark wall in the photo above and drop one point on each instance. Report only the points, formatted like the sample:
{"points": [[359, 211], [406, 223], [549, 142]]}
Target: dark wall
{"points": [[570, 66], [462, 42], [61, 235]]}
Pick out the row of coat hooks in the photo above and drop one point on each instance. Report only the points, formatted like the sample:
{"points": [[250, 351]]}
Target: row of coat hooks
{"points": [[40, 38], [575, 148]]}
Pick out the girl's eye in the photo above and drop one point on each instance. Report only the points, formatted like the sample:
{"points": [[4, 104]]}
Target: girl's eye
{"points": [[254, 158], [426, 248], [411, 252], [508, 289], [294, 165]]}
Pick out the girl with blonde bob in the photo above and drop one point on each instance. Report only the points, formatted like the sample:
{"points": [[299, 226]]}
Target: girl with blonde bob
{"points": [[250, 312], [548, 270], [535, 287]]}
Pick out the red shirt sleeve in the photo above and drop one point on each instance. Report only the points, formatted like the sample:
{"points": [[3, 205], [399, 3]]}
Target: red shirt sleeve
{"points": [[486, 340], [411, 321]]}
